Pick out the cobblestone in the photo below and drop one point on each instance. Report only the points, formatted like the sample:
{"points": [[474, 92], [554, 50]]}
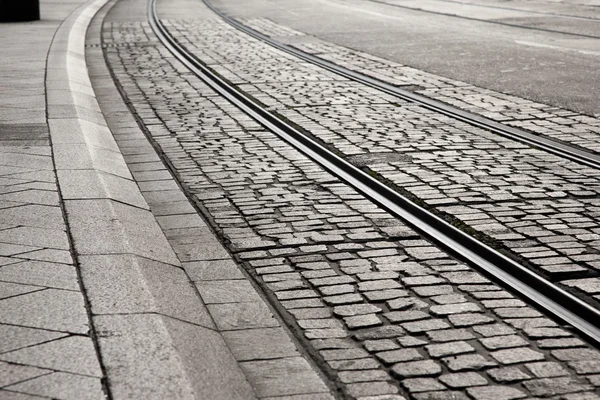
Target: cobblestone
{"points": [[416, 368], [495, 393], [255, 188], [463, 379], [448, 348], [467, 362], [536, 205], [508, 375]]}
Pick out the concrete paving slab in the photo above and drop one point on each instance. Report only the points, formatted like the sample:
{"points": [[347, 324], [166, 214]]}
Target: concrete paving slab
{"points": [[212, 369], [32, 236], [73, 156], [141, 360], [62, 386], [260, 344], [39, 273], [157, 186], [46, 176], [30, 161], [326, 396], [44, 197], [227, 291], [17, 337], [74, 354], [8, 289], [83, 132], [284, 376], [230, 316], [52, 309], [108, 227], [7, 260], [207, 249], [7, 249], [170, 208], [39, 216], [93, 184], [165, 196], [181, 221], [212, 270], [10, 395], [125, 284], [14, 373], [51, 255]]}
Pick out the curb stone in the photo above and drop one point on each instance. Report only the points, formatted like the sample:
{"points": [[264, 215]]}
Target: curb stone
{"points": [[224, 363], [155, 336]]}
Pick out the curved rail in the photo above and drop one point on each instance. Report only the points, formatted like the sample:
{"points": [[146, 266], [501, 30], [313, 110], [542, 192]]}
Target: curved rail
{"points": [[539, 291], [563, 150]]}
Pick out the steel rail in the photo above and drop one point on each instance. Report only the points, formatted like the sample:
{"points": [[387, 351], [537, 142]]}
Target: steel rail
{"points": [[563, 150], [539, 291]]}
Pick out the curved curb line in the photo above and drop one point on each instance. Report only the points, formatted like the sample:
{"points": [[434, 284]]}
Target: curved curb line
{"points": [[155, 336]]}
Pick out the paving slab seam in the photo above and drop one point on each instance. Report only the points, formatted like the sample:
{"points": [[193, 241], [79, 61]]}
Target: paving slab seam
{"points": [[55, 53], [47, 347], [126, 132]]}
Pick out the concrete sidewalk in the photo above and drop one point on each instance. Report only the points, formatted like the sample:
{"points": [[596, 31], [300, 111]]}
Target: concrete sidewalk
{"points": [[105, 266]]}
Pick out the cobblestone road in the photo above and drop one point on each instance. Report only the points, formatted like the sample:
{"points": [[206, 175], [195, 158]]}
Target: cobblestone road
{"points": [[382, 310], [540, 209], [560, 124]]}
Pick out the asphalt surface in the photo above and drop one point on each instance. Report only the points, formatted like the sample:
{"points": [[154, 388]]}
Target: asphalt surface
{"points": [[480, 46]]}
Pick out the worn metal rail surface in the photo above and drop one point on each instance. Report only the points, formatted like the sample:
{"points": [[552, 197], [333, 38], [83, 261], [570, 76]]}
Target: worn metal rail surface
{"points": [[538, 291], [561, 149]]}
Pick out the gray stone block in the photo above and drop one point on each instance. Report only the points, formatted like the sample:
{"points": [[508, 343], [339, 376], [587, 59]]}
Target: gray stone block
{"points": [[230, 316], [8, 289], [13, 373], [74, 354], [260, 344], [52, 309], [140, 358], [283, 377], [59, 276], [16, 337], [119, 284], [61, 385], [31, 236], [108, 227], [227, 291], [91, 184], [34, 215], [213, 270], [205, 248], [211, 367], [69, 156]]}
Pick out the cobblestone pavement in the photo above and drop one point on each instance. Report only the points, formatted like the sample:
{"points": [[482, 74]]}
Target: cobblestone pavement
{"points": [[556, 123], [385, 313], [538, 208]]}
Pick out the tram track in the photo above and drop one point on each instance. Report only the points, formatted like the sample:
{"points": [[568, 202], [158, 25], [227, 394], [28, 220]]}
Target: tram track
{"points": [[538, 291], [552, 146]]}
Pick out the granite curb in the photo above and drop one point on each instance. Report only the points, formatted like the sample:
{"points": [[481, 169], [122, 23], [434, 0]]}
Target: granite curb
{"points": [[155, 335]]}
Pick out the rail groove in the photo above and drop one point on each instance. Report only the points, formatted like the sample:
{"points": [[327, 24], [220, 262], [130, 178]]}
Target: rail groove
{"points": [[537, 290], [563, 150]]}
